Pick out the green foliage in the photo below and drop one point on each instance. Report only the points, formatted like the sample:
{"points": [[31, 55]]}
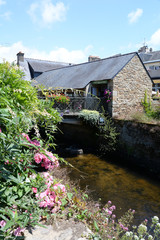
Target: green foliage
{"points": [[149, 111], [106, 132], [107, 135], [90, 117], [146, 103], [20, 112], [20, 109]]}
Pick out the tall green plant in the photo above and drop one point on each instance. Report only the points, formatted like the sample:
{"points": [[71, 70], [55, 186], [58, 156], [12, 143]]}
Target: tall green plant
{"points": [[147, 104], [152, 113], [106, 132]]}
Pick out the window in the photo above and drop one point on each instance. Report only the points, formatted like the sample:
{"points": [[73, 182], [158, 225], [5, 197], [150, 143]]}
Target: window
{"points": [[151, 67], [157, 67]]}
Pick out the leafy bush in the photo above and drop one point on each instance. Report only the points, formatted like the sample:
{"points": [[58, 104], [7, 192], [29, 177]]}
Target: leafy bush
{"points": [[106, 131], [90, 117], [20, 112], [149, 111], [107, 135]]}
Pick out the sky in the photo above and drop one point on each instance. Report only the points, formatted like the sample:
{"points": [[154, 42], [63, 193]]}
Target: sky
{"points": [[71, 30]]}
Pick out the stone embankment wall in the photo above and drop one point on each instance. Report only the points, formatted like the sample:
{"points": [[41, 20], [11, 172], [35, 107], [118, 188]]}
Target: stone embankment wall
{"points": [[139, 145]]}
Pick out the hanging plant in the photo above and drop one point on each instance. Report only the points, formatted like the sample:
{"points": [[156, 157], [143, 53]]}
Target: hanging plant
{"points": [[107, 95]]}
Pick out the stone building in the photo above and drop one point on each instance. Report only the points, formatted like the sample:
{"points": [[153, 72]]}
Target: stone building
{"points": [[124, 75]]}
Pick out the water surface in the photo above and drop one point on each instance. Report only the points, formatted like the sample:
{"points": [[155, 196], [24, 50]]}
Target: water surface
{"points": [[125, 188]]}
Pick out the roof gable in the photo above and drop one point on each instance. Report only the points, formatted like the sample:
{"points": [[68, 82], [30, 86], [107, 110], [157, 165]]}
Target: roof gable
{"points": [[80, 75]]}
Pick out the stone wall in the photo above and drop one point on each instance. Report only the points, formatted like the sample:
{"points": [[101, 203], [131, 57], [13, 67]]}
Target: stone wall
{"points": [[139, 146], [129, 87]]}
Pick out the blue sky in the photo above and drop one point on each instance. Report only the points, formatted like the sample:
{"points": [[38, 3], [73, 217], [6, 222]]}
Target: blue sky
{"points": [[71, 30]]}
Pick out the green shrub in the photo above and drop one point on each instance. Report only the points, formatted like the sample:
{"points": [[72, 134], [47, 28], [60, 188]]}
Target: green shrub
{"points": [[148, 109], [106, 132], [90, 117]]}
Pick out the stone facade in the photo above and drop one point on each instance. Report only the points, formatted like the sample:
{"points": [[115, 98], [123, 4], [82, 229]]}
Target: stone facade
{"points": [[128, 88]]}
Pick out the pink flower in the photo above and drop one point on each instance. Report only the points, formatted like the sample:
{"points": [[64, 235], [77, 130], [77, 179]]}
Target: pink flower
{"points": [[112, 208], [125, 229], [59, 186], [46, 174], [18, 231], [49, 162], [44, 194], [26, 136], [38, 157], [6, 162], [0, 130], [48, 198], [34, 189], [55, 209], [35, 142], [2, 223], [109, 212]]}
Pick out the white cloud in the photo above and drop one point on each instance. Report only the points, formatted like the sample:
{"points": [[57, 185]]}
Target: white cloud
{"points": [[6, 15], [2, 2], [135, 15], [32, 11], [53, 13], [155, 39], [8, 53], [46, 13]]}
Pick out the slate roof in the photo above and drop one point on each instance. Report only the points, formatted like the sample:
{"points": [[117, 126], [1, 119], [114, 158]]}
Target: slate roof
{"points": [[151, 56], [154, 74], [80, 75], [43, 65], [145, 56]]}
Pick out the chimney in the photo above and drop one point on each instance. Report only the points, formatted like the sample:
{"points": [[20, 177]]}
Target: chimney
{"points": [[20, 57], [93, 58], [143, 49]]}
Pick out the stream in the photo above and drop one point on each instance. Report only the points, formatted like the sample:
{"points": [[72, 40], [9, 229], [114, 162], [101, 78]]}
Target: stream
{"points": [[126, 188]]}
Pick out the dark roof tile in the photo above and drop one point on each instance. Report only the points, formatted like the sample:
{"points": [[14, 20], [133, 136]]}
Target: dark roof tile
{"points": [[43, 65], [80, 75]]}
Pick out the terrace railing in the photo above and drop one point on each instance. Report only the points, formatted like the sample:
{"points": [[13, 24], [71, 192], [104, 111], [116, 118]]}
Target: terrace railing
{"points": [[76, 104]]}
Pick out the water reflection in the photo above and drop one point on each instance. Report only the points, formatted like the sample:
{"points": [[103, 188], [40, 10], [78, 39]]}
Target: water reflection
{"points": [[123, 187]]}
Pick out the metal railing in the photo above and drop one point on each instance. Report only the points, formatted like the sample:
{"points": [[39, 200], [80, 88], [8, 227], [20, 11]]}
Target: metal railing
{"points": [[76, 104]]}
